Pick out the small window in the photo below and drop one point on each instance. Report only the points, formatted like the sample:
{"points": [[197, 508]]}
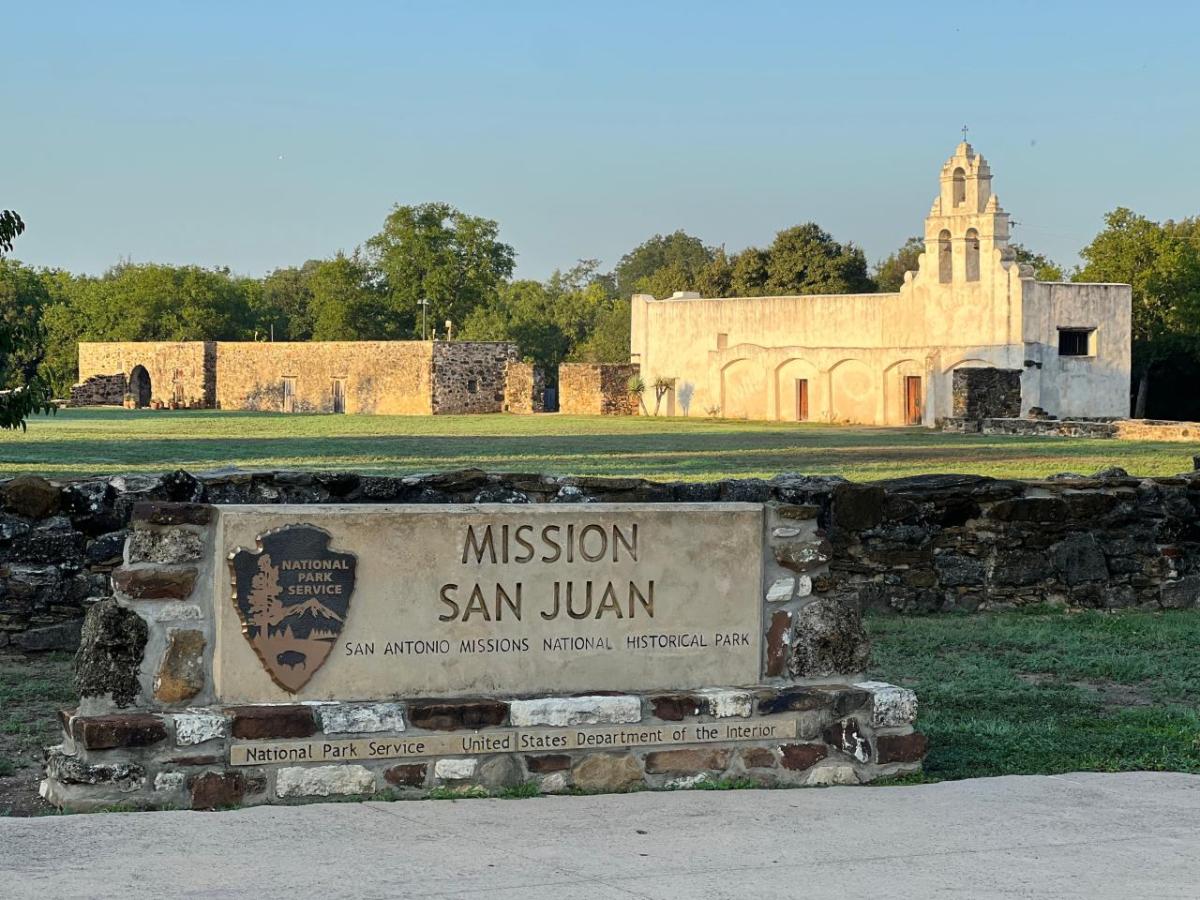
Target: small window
{"points": [[722, 340], [972, 255], [472, 385], [960, 186], [945, 259], [1076, 341]]}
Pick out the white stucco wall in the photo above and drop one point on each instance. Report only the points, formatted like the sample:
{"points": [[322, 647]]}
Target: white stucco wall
{"points": [[968, 304]]}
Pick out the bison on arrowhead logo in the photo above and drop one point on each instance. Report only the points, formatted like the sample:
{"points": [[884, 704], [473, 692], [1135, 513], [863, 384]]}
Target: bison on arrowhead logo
{"points": [[292, 596]]}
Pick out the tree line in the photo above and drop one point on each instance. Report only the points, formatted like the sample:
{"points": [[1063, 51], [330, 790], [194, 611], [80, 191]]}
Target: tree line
{"points": [[434, 270]]}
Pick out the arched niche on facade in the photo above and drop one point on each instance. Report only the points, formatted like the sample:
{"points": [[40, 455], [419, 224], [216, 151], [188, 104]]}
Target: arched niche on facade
{"points": [[797, 391], [972, 255], [945, 257], [744, 389], [851, 392]]}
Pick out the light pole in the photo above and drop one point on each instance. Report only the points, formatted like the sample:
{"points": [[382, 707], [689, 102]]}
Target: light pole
{"points": [[424, 304]]}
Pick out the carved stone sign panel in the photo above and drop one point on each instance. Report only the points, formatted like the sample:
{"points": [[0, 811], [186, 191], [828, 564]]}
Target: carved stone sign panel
{"points": [[407, 601]]}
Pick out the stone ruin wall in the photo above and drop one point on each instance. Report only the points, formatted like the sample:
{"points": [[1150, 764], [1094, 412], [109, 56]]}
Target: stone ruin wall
{"points": [[524, 388], [99, 390], [597, 389], [1120, 429], [381, 377], [180, 371], [986, 393], [469, 376], [926, 544]]}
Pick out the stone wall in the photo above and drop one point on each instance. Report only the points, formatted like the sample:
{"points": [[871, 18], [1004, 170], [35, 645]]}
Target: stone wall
{"points": [[181, 372], [596, 389], [99, 390], [1122, 429], [933, 543], [986, 393], [469, 376], [383, 377], [524, 388]]}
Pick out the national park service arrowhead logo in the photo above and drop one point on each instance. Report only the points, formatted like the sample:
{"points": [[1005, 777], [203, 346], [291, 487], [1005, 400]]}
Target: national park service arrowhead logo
{"points": [[292, 596]]}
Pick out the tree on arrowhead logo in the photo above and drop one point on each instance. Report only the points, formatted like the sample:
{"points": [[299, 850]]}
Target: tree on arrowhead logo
{"points": [[292, 596]]}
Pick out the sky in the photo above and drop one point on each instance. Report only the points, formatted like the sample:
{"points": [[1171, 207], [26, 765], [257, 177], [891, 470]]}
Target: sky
{"points": [[255, 135]]}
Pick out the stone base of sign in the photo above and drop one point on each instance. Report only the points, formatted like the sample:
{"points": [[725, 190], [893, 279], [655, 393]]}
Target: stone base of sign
{"points": [[216, 757]]}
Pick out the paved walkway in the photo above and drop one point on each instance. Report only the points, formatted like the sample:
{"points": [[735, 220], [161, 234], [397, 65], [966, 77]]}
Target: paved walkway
{"points": [[1086, 836]]}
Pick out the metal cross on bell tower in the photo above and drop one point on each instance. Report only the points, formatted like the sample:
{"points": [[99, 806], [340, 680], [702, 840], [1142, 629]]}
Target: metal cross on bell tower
{"points": [[964, 131]]}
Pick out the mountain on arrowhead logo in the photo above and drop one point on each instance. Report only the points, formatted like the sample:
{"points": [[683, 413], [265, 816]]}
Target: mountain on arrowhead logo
{"points": [[292, 596]]}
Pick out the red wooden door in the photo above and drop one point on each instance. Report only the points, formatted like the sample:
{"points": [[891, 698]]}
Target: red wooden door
{"points": [[801, 399], [912, 400]]}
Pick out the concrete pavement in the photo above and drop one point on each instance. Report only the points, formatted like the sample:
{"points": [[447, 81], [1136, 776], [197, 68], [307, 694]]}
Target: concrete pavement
{"points": [[1082, 835]]}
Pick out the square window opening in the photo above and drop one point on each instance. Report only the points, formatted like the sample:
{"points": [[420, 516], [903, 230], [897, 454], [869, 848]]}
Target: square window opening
{"points": [[1076, 341], [472, 386]]}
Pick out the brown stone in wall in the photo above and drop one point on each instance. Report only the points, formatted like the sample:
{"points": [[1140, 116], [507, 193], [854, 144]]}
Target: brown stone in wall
{"points": [[452, 716], [218, 790], [607, 772], [160, 513], [802, 756], [109, 732], [597, 389], [99, 390], [406, 775], [524, 388], [777, 635], [686, 762], [895, 748], [259, 722], [155, 583], [550, 762], [181, 674], [758, 758]]}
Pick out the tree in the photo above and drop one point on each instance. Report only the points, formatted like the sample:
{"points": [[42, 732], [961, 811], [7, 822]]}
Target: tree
{"points": [[748, 273], [21, 335], [805, 259], [344, 304], [889, 272], [1044, 268], [676, 259], [434, 252], [1162, 263], [608, 341], [283, 309]]}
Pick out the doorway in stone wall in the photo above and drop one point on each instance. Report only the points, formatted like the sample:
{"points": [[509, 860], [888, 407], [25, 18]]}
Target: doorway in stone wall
{"points": [[801, 399], [338, 387], [912, 400], [139, 386]]}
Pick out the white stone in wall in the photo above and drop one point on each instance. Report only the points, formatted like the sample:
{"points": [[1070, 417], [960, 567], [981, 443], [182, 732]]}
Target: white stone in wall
{"points": [[196, 728], [823, 776], [324, 781], [554, 783], [890, 705], [781, 589], [785, 531], [177, 612], [803, 585], [576, 711], [725, 704], [455, 769], [364, 718], [168, 781], [687, 781]]}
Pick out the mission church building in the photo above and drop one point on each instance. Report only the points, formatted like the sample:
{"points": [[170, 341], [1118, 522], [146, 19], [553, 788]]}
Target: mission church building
{"points": [[891, 358]]}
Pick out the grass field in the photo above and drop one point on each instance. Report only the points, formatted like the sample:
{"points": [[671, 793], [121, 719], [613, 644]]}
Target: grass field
{"points": [[109, 441], [1000, 694]]}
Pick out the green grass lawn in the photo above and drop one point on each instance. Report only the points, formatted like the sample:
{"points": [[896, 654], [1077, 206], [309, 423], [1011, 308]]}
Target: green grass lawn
{"points": [[1049, 691], [109, 441]]}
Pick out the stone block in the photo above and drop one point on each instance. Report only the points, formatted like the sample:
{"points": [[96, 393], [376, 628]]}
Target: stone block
{"points": [[794, 699], [847, 737], [110, 653], [827, 776], [891, 706], [779, 636], [195, 728], [455, 769], [554, 783], [177, 612], [687, 761], [63, 636], [607, 772], [1079, 559], [799, 757], [31, 496], [563, 711], [169, 782], [675, 707], [803, 556], [263, 722], [155, 583], [1180, 593], [161, 513], [723, 703], [217, 790], [122, 730], [550, 762], [439, 716], [499, 772], [828, 639], [164, 546], [759, 758], [66, 769], [781, 589], [181, 673], [324, 781], [107, 549], [406, 775], [898, 748], [361, 718], [857, 507]]}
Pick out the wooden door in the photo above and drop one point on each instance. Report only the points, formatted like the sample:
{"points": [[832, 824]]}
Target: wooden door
{"points": [[289, 393], [801, 399], [912, 400], [339, 395]]}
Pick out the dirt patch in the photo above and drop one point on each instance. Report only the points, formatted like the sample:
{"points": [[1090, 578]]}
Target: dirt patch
{"points": [[1108, 693], [32, 691]]}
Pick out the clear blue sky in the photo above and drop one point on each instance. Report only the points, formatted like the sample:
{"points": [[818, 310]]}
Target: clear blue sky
{"points": [[258, 134]]}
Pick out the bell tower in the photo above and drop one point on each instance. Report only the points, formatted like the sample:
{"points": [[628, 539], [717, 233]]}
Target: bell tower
{"points": [[966, 222]]}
